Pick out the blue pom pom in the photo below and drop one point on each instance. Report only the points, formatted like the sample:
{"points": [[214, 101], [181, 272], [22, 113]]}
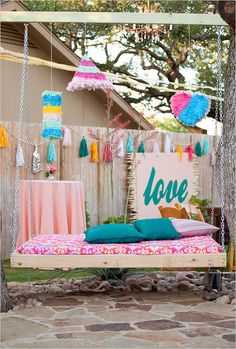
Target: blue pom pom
{"points": [[51, 133], [53, 98], [198, 107]]}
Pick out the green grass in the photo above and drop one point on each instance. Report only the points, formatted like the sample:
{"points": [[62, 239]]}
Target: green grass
{"points": [[20, 275]]}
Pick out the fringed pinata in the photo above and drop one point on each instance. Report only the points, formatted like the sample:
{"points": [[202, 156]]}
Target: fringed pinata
{"points": [[89, 77], [189, 108], [52, 126]]}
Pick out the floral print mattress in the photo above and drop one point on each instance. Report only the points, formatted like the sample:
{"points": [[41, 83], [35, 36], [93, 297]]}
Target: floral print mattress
{"points": [[56, 244]]}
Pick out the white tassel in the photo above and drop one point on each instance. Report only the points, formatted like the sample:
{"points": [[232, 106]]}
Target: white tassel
{"points": [[156, 148], [167, 145], [213, 158], [19, 156], [67, 137], [121, 152]]}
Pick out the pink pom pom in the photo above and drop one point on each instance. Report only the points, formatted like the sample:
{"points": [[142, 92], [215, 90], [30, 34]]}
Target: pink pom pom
{"points": [[179, 101]]}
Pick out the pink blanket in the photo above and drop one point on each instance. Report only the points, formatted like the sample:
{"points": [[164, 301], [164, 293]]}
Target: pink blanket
{"points": [[74, 245]]}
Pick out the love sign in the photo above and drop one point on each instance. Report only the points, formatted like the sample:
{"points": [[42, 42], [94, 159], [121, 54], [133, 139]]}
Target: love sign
{"points": [[162, 180]]}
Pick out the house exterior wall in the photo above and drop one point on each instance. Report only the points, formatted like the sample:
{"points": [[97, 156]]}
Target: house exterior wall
{"points": [[77, 106]]}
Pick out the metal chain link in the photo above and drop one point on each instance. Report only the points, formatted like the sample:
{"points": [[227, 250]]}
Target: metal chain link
{"points": [[15, 219], [213, 184], [29, 155], [221, 145]]}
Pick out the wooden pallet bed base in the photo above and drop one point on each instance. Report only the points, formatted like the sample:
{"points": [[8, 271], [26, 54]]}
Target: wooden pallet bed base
{"points": [[67, 262]]}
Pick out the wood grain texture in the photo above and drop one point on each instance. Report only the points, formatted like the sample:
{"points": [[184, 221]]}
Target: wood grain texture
{"points": [[66, 262]]}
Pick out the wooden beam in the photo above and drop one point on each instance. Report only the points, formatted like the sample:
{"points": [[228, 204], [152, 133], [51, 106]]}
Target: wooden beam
{"points": [[67, 262], [111, 17]]}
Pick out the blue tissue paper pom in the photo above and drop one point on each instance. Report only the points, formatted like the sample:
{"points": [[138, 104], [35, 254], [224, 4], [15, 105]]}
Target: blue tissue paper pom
{"points": [[198, 107], [52, 98], [51, 133]]}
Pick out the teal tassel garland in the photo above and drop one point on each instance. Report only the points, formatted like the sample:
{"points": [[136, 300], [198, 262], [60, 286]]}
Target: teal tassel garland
{"points": [[198, 149], [130, 144], [52, 155], [83, 150], [206, 146], [141, 148]]}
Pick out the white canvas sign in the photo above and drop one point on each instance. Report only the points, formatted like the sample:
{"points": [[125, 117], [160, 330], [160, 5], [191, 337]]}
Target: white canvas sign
{"points": [[163, 180]]}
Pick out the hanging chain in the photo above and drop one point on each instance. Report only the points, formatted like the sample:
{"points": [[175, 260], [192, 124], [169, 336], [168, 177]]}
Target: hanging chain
{"points": [[213, 184], [221, 145], [29, 155], [15, 219]]}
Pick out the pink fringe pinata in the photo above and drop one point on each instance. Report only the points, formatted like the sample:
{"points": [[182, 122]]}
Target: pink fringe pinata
{"points": [[89, 77]]}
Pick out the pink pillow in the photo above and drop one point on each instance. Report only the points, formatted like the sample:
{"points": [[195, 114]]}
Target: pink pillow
{"points": [[189, 227]]}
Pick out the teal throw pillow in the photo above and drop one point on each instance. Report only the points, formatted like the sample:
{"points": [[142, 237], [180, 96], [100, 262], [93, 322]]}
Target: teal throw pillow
{"points": [[113, 233], [156, 229]]}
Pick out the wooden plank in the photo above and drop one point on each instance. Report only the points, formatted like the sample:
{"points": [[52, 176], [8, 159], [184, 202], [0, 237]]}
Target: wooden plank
{"points": [[111, 17], [65, 262]]}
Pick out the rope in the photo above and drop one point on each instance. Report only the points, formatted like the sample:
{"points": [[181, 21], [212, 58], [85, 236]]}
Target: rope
{"points": [[22, 140], [16, 57]]}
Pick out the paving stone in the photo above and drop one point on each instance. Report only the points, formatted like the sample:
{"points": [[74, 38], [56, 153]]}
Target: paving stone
{"points": [[129, 315], [144, 307], [52, 343], [207, 343], [229, 337], [12, 327], [38, 312], [72, 313], [81, 320], [192, 316], [225, 324], [119, 326], [213, 307], [160, 336], [158, 325], [201, 331], [119, 342], [64, 335], [61, 301]]}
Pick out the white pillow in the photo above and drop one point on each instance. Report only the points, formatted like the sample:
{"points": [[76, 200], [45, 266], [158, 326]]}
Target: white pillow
{"points": [[190, 227]]}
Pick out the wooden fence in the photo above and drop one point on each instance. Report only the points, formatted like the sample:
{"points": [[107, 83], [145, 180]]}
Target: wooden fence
{"points": [[95, 176]]}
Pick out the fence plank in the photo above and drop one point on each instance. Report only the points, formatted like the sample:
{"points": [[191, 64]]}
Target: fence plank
{"points": [[96, 177]]}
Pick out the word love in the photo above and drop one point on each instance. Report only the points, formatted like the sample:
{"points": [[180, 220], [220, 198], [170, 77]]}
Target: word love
{"points": [[159, 192]]}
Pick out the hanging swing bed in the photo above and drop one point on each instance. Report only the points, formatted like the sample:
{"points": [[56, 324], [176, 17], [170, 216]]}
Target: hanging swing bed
{"points": [[71, 251]]}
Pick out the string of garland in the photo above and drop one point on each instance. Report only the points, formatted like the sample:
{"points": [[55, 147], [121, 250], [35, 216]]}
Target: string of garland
{"points": [[199, 150]]}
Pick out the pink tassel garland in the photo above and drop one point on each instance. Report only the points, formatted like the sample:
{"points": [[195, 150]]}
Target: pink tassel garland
{"points": [[107, 155]]}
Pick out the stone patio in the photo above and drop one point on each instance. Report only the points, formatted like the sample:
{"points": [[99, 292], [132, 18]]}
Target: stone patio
{"points": [[121, 320]]}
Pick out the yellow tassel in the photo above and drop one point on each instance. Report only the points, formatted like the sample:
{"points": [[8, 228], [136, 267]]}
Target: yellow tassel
{"points": [[50, 109], [3, 138], [94, 152], [179, 151]]}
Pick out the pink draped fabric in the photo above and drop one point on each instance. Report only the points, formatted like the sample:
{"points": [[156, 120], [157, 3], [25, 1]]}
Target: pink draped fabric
{"points": [[58, 208]]}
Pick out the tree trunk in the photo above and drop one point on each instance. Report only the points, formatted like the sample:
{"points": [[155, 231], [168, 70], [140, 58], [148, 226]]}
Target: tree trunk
{"points": [[229, 138], [227, 12], [6, 303]]}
